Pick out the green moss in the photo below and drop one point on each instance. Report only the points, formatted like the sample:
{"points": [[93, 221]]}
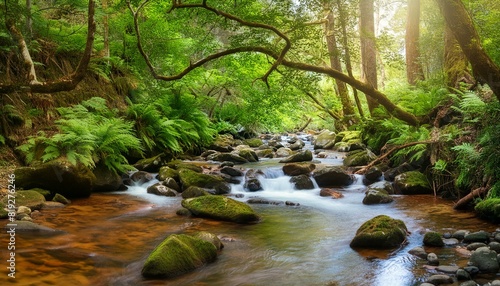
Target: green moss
{"points": [[178, 254], [167, 172], [178, 165], [413, 182], [489, 209], [191, 178], [254, 142], [221, 208], [31, 199], [380, 232], [433, 239]]}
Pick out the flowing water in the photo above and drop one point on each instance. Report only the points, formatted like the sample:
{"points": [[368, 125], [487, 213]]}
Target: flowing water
{"points": [[108, 236]]}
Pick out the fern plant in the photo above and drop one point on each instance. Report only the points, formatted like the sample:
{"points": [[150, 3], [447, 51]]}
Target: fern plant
{"points": [[89, 134]]}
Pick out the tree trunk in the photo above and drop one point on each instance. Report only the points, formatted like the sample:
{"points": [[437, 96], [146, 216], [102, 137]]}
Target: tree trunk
{"points": [[29, 21], [456, 65], [347, 53], [331, 43], [105, 28], [66, 82], [368, 48], [414, 71], [459, 21]]}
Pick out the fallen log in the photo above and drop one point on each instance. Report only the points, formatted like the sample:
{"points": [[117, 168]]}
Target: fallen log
{"points": [[463, 202]]}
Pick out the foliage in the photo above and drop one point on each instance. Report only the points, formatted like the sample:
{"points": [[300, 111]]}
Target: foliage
{"points": [[89, 134], [489, 209], [171, 122]]}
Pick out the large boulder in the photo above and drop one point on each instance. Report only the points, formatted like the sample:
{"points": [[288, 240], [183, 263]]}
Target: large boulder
{"points": [[58, 177], [302, 156], [295, 169], [377, 196], [105, 180], [283, 152], [380, 232], [31, 199], [178, 254], [190, 178], [193, 192], [223, 143], [153, 164], [231, 157], [167, 172], [221, 208], [382, 185], [332, 177], [325, 140], [412, 183], [246, 152], [254, 142], [359, 158], [302, 182], [485, 259]]}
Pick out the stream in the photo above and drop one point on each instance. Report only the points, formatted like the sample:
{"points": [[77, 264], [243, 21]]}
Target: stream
{"points": [[107, 237]]}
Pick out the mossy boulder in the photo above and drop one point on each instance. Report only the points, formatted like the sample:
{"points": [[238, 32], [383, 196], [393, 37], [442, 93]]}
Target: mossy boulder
{"points": [[58, 177], [254, 142], [178, 254], [167, 172], [193, 192], [223, 143], [359, 158], [489, 209], [190, 178], [152, 164], [210, 237], [231, 157], [295, 169], [178, 165], [31, 199], [380, 232], [301, 156], [433, 238], [105, 180], [58, 198], [247, 153], [221, 208], [412, 183], [332, 177], [325, 140], [377, 196]]}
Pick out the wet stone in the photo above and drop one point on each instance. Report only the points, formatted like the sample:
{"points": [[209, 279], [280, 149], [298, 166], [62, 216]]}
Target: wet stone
{"points": [[447, 269]]}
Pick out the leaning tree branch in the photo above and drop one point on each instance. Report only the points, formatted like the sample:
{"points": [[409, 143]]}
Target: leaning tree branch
{"points": [[66, 82], [379, 159], [288, 44]]}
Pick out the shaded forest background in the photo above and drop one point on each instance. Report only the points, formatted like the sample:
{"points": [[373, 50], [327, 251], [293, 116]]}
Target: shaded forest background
{"points": [[105, 83]]}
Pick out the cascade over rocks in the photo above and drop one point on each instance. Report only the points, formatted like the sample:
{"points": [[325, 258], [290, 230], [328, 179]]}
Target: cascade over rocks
{"points": [[252, 183], [332, 177], [59, 176], [380, 232], [302, 182]]}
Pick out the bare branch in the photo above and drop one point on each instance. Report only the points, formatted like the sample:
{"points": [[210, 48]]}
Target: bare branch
{"points": [[278, 60]]}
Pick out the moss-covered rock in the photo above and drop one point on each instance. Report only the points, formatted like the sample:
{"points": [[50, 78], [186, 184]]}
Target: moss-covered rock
{"points": [[31, 199], [412, 183], [359, 158], [152, 164], [223, 143], [254, 142], [247, 153], [58, 177], [231, 157], [295, 169], [190, 178], [332, 177], [324, 140], [380, 232], [489, 209], [221, 208], [178, 254], [178, 165], [58, 198], [193, 192], [167, 172], [301, 156], [46, 193], [433, 238], [377, 196], [105, 180], [210, 237]]}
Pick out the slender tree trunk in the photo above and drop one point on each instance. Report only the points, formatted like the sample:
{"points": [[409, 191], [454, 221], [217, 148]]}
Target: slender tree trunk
{"points": [[414, 71], [105, 28], [29, 21], [331, 43], [456, 65], [347, 53], [459, 21], [368, 48]]}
